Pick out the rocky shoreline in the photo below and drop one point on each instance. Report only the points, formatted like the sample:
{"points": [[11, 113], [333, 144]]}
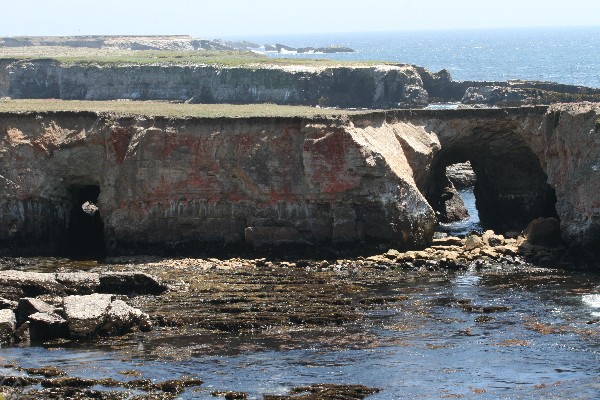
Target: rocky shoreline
{"points": [[189, 296]]}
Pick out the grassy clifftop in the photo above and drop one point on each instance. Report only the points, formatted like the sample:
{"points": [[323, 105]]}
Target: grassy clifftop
{"points": [[165, 109], [73, 55]]}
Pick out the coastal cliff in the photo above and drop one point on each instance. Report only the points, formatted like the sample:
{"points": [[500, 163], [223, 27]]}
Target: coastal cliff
{"points": [[382, 86], [371, 177], [182, 182]]}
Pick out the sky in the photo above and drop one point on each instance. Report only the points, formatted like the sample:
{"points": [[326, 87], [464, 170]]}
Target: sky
{"points": [[244, 18]]}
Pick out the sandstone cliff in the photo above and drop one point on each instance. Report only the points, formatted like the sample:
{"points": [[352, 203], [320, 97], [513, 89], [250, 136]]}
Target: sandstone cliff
{"points": [[174, 182], [363, 178]]}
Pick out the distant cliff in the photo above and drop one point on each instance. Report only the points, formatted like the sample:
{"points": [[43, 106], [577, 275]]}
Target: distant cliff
{"points": [[383, 86], [351, 86]]}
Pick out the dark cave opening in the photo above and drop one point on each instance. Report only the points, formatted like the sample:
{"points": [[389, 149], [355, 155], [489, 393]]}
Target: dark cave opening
{"points": [[510, 189], [84, 239]]}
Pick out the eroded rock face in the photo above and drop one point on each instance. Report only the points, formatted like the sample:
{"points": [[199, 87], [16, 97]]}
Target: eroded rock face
{"points": [[170, 182], [164, 183]]}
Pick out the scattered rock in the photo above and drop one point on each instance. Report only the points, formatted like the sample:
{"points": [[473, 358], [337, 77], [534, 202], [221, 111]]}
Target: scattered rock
{"points": [[327, 392], [47, 372], [491, 239], [230, 395], [473, 242], [8, 324], [121, 317]]}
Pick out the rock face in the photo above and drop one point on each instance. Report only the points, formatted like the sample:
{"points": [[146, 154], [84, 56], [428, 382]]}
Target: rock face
{"points": [[176, 184], [170, 183], [381, 86]]}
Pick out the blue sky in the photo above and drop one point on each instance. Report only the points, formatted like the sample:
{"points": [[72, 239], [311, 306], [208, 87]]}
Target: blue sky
{"points": [[219, 18]]}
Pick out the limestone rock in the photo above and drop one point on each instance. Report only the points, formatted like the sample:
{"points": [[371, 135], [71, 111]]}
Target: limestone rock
{"points": [[543, 232], [101, 314], [86, 314], [130, 283], [491, 239], [121, 318], [79, 282], [8, 324], [461, 175], [17, 284], [473, 242], [44, 326], [28, 306]]}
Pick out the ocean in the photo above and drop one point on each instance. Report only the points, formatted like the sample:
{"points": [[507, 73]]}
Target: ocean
{"points": [[564, 55]]}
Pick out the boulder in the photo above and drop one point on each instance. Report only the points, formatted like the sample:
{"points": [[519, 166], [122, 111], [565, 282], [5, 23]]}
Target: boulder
{"points": [[28, 306], [473, 242], [129, 283], [8, 324], [79, 282], [543, 232], [86, 314], [101, 314], [491, 239], [45, 326], [121, 318], [17, 284]]}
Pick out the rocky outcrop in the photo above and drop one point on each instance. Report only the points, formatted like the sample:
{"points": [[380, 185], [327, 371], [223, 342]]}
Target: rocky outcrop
{"points": [[15, 285], [461, 175], [381, 86], [168, 183], [194, 183]]}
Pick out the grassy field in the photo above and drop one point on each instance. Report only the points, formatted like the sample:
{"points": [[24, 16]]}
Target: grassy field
{"points": [[74, 55], [155, 108]]}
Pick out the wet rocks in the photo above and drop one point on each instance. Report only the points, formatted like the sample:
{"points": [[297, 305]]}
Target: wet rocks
{"points": [[327, 392]]}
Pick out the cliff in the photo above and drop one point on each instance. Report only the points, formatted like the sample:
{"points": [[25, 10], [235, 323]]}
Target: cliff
{"points": [[162, 183], [175, 182], [383, 86]]}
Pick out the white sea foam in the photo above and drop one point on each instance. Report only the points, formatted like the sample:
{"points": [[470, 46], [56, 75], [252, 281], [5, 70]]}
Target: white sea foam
{"points": [[591, 300]]}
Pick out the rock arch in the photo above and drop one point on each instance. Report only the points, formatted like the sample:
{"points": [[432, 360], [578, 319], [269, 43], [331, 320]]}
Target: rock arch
{"points": [[512, 186]]}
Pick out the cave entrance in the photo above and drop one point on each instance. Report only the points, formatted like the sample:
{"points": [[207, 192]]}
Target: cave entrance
{"points": [[85, 232], [510, 189]]}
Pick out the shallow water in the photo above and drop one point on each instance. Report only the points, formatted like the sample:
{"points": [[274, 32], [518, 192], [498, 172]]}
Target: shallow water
{"points": [[437, 343]]}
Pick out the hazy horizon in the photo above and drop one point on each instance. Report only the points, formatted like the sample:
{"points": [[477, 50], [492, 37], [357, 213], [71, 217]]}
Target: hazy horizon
{"points": [[268, 17]]}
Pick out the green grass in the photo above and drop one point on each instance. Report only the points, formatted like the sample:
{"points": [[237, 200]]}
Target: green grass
{"points": [[71, 55], [176, 110]]}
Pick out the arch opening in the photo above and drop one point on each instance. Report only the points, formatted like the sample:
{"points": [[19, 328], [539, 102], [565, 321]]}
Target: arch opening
{"points": [[84, 238], [510, 189]]}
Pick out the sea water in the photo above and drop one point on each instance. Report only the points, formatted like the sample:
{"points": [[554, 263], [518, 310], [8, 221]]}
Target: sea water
{"points": [[563, 55]]}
